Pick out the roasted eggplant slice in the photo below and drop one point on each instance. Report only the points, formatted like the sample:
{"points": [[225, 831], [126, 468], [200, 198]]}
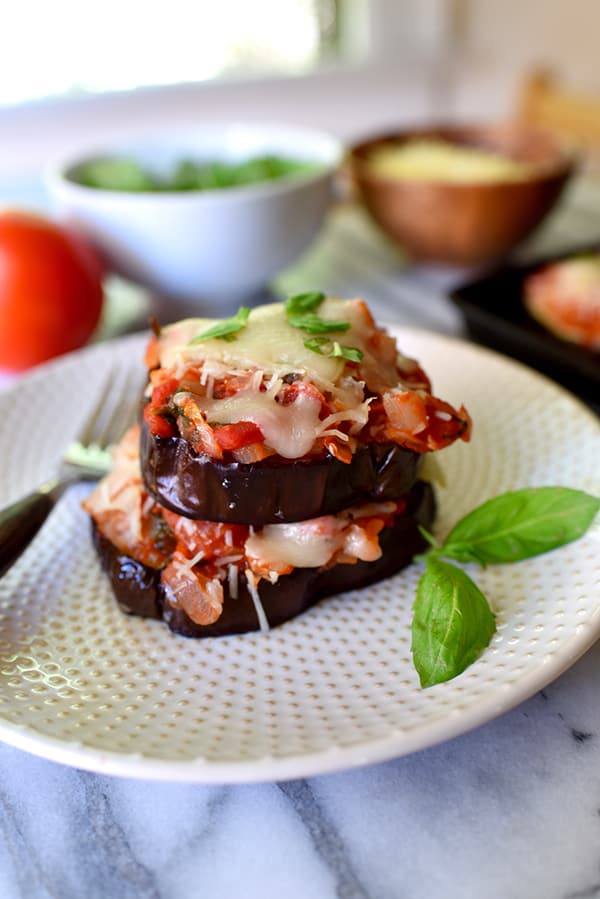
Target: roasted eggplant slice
{"points": [[139, 592], [274, 490]]}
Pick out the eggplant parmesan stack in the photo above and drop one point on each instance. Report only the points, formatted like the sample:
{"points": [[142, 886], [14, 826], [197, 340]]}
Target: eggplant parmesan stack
{"points": [[278, 461]]}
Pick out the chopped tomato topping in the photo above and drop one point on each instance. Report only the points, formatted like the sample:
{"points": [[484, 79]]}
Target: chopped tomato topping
{"points": [[158, 425], [424, 423], [156, 544], [232, 384], [234, 436], [200, 597], [407, 413], [395, 387], [194, 428], [155, 409], [163, 392], [213, 538]]}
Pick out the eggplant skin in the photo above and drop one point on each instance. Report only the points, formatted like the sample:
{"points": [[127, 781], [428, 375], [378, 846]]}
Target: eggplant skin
{"points": [[136, 586], [138, 590], [274, 490]]}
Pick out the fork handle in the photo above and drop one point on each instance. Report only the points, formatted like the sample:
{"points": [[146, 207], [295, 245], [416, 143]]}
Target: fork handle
{"points": [[20, 522]]}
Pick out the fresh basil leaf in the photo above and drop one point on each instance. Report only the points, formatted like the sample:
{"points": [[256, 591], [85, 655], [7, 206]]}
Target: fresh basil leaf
{"points": [[521, 524], [316, 344], [351, 353], [124, 174], [312, 324], [117, 173], [325, 347], [227, 329], [303, 303], [452, 623], [300, 314]]}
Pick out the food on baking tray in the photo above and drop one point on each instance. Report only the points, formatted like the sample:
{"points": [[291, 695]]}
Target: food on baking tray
{"points": [[299, 411], [266, 524], [565, 298], [441, 160]]}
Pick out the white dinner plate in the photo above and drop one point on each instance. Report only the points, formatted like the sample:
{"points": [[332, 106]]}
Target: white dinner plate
{"points": [[82, 683]]}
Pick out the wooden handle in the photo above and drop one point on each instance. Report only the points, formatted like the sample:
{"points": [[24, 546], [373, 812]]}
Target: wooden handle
{"points": [[20, 523]]}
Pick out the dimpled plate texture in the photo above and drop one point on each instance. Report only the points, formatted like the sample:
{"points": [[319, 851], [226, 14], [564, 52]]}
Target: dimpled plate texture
{"points": [[84, 684]]}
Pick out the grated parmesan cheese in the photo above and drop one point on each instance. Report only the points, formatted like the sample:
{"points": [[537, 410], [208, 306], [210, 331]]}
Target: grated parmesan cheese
{"points": [[233, 581], [253, 591]]}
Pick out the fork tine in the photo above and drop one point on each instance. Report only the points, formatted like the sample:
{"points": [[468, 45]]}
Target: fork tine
{"points": [[84, 459], [120, 405], [94, 424], [124, 418], [115, 409]]}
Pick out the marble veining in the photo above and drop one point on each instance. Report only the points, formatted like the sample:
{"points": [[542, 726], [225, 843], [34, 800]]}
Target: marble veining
{"points": [[325, 839], [103, 840]]}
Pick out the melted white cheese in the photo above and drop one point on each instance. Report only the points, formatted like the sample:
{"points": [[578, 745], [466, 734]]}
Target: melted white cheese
{"points": [[302, 544], [360, 545], [289, 430], [269, 348], [267, 342], [312, 543]]}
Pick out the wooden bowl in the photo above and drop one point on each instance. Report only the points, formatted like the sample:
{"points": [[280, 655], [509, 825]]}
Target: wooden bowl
{"points": [[464, 223]]}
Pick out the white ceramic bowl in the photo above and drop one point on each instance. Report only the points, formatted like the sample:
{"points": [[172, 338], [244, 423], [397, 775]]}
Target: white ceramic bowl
{"points": [[204, 249]]}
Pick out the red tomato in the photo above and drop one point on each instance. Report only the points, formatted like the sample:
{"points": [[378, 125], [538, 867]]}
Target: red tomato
{"points": [[158, 425], [162, 393], [232, 437], [50, 290]]}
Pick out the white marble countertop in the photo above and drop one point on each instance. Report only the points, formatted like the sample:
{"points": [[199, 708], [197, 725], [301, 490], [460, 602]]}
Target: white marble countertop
{"points": [[509, 811]]}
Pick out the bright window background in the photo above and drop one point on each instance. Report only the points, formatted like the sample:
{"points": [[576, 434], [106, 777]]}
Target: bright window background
{"points": [[70, 46]]}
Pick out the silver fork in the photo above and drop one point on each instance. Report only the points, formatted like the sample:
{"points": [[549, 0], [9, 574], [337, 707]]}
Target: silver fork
{"points": [[86, 458]]}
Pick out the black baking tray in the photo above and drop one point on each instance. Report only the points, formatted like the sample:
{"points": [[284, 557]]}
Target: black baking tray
{"points": [[495, 316]]}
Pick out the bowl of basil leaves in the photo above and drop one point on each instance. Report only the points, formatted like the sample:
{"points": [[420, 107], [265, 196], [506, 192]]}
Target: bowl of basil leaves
{"points": [[202, 218]]}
